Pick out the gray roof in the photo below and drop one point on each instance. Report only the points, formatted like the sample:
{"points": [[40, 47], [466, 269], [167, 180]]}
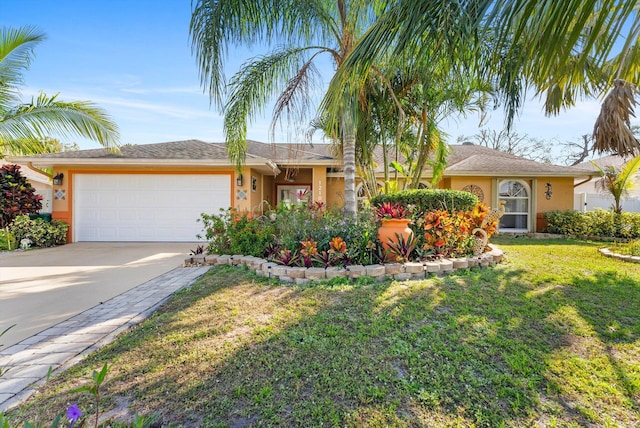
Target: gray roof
{"points": [[469, 159], [187, 149], [466, 159]]}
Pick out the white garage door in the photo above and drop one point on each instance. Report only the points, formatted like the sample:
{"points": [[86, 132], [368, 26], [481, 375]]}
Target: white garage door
{"points": [[145, 207]]}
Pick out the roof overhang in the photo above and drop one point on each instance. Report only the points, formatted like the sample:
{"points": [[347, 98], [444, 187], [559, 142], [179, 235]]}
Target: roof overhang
{"points": [[261, 164]]}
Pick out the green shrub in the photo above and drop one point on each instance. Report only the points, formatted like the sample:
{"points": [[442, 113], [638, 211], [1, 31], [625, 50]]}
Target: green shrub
{"points": [[425, 200], [40, 232], [600, 223], [286, 228], [233, 233]]}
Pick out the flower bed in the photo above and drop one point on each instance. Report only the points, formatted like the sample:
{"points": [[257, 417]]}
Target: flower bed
{"points": [[314, 237], [379, 272]]}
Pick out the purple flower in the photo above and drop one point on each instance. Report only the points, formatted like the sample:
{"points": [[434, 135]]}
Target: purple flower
{"points": [[73, 413]]}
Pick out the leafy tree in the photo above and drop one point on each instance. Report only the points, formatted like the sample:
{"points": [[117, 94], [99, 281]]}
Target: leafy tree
{"points": [[535, 45], [304, 31], [25, 128], [618, 182], [17, 195]]}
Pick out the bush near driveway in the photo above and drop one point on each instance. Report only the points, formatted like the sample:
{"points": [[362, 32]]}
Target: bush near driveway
{"points": [[551, 338], [41, 233]]}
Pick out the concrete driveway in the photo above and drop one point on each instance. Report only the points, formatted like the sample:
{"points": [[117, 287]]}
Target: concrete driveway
{"points": [[42, 287]]}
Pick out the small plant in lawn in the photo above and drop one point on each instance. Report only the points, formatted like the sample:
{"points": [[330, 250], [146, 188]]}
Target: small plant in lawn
{"points": [[74, 416], [7, 240]]}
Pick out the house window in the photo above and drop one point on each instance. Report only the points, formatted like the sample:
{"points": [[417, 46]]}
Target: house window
{"points": [[516, 195], [294, 194]]}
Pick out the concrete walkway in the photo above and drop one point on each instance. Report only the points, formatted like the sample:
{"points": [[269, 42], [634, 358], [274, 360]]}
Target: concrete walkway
{"points": [[66, 343]]}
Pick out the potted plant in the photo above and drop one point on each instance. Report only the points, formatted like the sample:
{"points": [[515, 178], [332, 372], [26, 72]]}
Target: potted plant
{"points": [[395, 221]]}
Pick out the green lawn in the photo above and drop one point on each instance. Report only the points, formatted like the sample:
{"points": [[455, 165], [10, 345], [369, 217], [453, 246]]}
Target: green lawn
{"points": [[551, 337]]}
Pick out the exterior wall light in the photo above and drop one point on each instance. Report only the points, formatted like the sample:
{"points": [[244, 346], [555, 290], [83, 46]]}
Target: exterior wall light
{"points": [[548, 193], [57, 179], [239, 181]]}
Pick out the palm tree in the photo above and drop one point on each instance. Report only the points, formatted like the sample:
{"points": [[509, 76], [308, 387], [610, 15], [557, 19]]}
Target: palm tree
{"points": [[618, 182], [563, 49], [26, 127], [304, 31]]}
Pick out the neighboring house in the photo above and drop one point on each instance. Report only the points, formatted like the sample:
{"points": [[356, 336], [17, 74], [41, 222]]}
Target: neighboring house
{"points": [[42, 185], [156, 192], [588, 198]]}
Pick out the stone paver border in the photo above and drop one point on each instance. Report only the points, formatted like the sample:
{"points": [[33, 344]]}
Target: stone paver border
{"points": [[63, 345], [624, 257], [396, 271]]}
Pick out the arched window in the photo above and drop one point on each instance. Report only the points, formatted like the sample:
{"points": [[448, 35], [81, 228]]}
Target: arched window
{"points": [[516, 195]]}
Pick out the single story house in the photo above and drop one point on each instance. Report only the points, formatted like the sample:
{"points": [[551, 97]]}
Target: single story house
{"points": [[156, 192]]}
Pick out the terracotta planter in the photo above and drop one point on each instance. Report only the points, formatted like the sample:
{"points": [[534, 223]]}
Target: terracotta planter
{"points": [[392, 226]]}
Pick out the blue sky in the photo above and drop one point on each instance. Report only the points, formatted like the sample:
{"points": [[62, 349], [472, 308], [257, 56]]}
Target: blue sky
{"points": [[133, 58]]}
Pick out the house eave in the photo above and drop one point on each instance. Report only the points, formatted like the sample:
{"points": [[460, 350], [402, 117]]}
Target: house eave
{"points": [[264, 165]]}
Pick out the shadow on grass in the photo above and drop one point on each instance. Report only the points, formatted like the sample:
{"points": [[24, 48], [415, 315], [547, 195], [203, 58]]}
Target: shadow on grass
{"points": [[482, 347]]}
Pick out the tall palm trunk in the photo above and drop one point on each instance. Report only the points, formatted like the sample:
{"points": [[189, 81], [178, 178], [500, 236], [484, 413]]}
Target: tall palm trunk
{"points": [[349, 158]]}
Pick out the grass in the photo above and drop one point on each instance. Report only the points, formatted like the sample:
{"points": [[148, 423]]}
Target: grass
{"points": [[631, 248], [549, 338]]}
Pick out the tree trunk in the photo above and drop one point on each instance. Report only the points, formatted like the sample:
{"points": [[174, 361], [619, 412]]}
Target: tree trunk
{"points": [[349, 159]]}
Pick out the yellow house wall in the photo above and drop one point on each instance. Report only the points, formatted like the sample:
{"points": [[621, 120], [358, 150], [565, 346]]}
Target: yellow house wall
{"points": [[335, 192], [457, 183], [562, 194], [319, 184]]}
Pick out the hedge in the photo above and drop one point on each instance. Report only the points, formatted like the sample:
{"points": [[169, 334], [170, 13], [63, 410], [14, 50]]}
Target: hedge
{"points": [[600, 223], [425, 200]]}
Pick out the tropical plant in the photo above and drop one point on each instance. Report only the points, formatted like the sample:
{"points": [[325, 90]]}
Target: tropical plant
{"points": [[17, 195], [25, 128], [388, 210], [303, 31], [401, 248], [533, 44], [618, 181]]}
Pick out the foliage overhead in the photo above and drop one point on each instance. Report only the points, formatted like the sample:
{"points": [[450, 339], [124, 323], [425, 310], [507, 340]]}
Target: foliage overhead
{"points": [[25, 127]]}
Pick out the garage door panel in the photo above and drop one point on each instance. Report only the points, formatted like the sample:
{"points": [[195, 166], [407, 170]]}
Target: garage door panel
{"points": [[145, 207]]}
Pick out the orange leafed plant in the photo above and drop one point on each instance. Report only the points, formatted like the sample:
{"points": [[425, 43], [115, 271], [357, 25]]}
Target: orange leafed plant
{"points": [[338, 245]]}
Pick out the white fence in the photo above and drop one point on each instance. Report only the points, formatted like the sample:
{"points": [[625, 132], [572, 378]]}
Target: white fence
{"points": [[590, 201]]}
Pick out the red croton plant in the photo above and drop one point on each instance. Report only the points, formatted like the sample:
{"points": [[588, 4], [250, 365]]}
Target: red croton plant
{"points": [[389, 210], [17, 195]]}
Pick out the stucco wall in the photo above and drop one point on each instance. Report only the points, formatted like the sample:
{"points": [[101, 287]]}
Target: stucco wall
{"points": [[485, 183], [562, 194]]}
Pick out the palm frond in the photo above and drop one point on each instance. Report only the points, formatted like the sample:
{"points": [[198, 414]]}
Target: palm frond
{"points": [[16, 53], [218, 25], [258, 80], [612, 130], [46, 116]]}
